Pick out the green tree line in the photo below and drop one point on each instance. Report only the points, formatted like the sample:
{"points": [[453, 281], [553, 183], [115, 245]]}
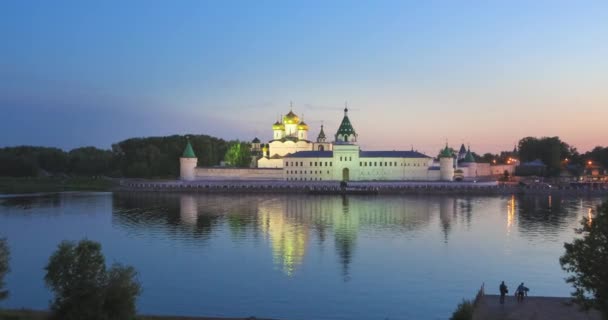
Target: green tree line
{"points": [[158, 157], [136, 157], [556, 154]]}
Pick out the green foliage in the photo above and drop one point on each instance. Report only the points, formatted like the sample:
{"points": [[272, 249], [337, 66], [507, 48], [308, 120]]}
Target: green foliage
{"points": [[487, 158], [121, 292], [139, 157], [586, 259], [550, 150], [4, 267], [84, 289], [159, 156], [23, 314], [598, 155], [90, 161], [27, 161], [238, 154], [464, 311]]}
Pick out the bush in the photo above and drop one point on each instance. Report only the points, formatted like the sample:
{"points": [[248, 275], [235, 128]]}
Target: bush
{"points": [[586, 259], [84, 289], [464, 311], [4, 269]]}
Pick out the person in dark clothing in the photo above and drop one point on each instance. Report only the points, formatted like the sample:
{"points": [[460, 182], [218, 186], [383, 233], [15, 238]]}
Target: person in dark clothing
{"points": [[503, 291], [521, 292]]}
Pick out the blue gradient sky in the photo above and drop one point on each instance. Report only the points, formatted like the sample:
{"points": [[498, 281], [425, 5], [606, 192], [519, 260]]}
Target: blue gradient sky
{"points": [[76, 73]]}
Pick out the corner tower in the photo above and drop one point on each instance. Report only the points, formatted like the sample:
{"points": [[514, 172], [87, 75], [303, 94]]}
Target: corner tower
{"points": [[187, 163], [446, 164]]}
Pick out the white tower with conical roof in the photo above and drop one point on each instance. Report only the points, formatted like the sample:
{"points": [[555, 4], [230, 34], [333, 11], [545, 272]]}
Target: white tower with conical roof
{"points": [[446, 164], [187, 163]]}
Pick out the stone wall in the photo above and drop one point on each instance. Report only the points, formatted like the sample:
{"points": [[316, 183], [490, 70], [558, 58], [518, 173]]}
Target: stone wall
{"points": [[238, 174]]}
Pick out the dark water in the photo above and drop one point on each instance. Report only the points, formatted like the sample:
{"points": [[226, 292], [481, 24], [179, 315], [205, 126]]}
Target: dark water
{"points": [[298, 256]]}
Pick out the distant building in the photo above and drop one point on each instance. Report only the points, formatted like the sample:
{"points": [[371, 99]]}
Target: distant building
{"points": [[531, 168], [291, 156], [290, 135]]}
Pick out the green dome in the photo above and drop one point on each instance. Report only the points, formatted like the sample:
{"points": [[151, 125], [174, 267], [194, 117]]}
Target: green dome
{"points": [[291, 118], [278, 126], [188, 151], [469, 157], [446, 152]]}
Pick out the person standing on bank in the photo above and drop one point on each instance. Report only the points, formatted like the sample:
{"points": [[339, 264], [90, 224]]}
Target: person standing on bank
{"points": [[521, 292], [503, 291]]}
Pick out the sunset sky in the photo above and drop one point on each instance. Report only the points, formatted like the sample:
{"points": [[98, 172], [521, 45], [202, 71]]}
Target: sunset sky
{"points": [[76, 73]]}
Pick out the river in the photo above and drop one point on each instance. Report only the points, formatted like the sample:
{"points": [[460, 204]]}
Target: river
{"points": [[299, 256]]}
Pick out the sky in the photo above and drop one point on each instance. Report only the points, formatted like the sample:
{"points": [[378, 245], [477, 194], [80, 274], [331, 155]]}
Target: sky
{"points": [[414, 73]]}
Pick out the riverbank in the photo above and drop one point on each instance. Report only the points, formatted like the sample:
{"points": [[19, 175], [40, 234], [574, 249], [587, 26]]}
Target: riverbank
{"points": [[59, 184], [354, 187], [54, 184], [23, 314], [532, 308]]}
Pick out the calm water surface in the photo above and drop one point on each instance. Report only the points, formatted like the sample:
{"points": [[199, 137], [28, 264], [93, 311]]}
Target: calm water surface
{"points": [[299, 256]]}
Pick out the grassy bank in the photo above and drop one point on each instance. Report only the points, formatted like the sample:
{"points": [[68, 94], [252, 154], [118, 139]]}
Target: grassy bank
{"points": [[52, 184], [43, 315]]}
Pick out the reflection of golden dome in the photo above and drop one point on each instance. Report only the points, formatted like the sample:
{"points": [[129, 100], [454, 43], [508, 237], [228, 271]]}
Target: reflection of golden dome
{"points": [[303, 126], [278, 126], [288, 240], [291, 118]]}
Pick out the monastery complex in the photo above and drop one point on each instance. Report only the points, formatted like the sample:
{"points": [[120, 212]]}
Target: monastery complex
{"points": [[292, 156]]}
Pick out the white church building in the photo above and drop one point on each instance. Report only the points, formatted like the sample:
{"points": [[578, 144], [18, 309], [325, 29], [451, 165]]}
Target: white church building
{"points": [[289, 136], [291, 156]]}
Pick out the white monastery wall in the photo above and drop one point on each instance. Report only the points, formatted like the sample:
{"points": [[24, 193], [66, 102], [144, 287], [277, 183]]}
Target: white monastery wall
{"points": [[270, 163], [238, 174]]}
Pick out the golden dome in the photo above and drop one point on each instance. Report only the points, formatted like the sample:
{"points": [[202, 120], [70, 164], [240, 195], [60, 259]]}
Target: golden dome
{"points": [[278, 126], [303, 126], [291, 118]]}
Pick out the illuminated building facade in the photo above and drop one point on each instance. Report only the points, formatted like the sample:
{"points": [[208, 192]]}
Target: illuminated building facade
{"points": [[290, 156], [290, 135], [345, 161]]}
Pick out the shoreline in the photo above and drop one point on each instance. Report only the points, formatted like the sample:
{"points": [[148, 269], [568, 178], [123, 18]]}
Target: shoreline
{"points": [[353, 188], [28, 314], [23, 185], [44, 185], [487, 307]]}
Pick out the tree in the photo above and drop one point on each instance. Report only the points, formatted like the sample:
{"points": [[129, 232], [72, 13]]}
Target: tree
{"points": [[464, 311], [4, 268], [84, 289], [238, 154], [89, 161], [586, 258], [598, 155], [487, 158], [121, 292], [550, 150]]}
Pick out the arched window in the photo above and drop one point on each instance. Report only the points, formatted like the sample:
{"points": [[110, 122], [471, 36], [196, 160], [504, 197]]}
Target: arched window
{"points": [[321, 148]]}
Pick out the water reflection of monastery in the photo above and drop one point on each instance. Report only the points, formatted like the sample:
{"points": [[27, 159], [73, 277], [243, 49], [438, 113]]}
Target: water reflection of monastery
{"points": [[291, 226]]}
